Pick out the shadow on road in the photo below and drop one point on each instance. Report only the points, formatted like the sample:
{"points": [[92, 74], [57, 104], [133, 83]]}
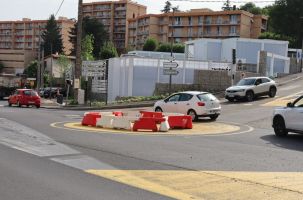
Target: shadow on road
{"points": [[292, 141], [244, 101]]}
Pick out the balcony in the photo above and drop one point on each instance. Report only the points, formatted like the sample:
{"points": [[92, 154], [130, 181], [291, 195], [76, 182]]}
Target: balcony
{"points": [[98, 8], [132, 26], [6, 27], [120, 8], [143, 33], [219, 34]]}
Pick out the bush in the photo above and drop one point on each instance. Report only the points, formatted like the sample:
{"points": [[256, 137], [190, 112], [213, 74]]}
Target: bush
{"points": [[150, 45], [178, 48], [108, 51]]}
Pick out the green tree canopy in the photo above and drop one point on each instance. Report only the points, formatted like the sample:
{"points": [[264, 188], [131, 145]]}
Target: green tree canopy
{"points": [[150, 44], [52, 37], [108, 51], [91, 26], [227, 5], [167, 7], [31, 69], [64, 64], [178, 48], [285, 19], [166, 47], [87, 47], [252, 8], [275, 36]]}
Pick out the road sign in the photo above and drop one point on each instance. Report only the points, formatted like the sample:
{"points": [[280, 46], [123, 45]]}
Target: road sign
{"points": [[170, 65], [170, 72]]}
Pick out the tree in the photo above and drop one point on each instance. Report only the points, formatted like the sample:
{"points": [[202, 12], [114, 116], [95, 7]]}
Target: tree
{"points": [[64, 64], [285, 19], [87, 47], [31, 69], [274, 36], [164, 47], [178, 48], [252, 8], [52, 37], [150, 45], [226, 5], [108, 51], [167, 7], [91, 26]]}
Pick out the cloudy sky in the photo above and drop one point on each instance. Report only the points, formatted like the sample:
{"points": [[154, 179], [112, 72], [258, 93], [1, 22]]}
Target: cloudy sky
{"points": [[42, 9]]}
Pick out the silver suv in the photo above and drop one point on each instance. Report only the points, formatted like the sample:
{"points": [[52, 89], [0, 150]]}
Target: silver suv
{"points": [[249, 88]]}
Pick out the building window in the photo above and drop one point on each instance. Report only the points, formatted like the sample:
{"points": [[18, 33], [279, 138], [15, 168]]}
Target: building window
{"points": [[219, 30], [208, 20], [208, 30], [233, 30], [219, 20], [233, 19], [200, 20], [190, 21], [177, 20]]}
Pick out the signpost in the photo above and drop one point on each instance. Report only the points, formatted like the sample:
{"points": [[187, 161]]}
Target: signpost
{"points": [[170, 68]]}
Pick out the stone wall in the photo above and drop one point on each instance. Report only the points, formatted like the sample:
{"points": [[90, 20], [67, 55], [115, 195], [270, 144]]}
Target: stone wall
{"points": [[204, 80], [294, 66]]}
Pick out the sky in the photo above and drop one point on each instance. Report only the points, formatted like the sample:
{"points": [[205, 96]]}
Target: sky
{"points": [[42, 9]]}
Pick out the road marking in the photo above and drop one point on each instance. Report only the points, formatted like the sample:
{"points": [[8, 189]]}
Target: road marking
{"points": [[283, 100], [200, 129], [211, 184]]}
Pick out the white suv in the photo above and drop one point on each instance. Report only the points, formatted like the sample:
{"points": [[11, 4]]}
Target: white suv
{"points": [[249, 88], [289, 119]]}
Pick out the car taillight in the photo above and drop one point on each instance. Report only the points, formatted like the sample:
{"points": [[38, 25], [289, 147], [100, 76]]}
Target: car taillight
{"points": [[201, 104]]}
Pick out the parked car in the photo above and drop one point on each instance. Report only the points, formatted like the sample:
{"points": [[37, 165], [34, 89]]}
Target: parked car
{"points": [[194, 103], [51, 92], [289, 118], [25, 97], [250, 88]]}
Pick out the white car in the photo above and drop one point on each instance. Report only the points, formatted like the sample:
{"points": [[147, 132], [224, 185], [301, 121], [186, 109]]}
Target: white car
{"points": [[194, 103], [289, 119], [249, 88]]}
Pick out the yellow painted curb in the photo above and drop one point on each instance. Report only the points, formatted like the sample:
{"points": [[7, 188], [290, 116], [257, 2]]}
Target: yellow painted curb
{"points": [[210, 184], [212, 128]]}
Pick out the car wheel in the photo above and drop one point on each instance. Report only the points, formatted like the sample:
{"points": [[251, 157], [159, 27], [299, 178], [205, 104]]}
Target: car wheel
{"points": [[193, 115], [37, 106], [249, 95], [272, 92], [18, 104], [231, 99], [214, 117], [9, 104], [158, 109], [279, 127]]}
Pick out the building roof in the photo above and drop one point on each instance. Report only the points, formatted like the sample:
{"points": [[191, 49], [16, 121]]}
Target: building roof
{"points": [[114, 2]]}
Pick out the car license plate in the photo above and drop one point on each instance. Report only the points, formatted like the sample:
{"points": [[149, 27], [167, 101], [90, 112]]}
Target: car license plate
{"points": [[31, 102], [231, 95]]}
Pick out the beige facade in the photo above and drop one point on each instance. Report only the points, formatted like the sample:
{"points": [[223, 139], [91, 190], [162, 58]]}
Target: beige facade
{"points": [[14, 61], [197, 23], [19, 41], [25, 34], [114, 16]]}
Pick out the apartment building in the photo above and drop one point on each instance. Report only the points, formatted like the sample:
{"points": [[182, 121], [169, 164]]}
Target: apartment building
{"points": [[197, 23], [19, 41], [114, 16]]}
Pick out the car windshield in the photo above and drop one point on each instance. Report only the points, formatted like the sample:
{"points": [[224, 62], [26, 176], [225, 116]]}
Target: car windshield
{"points": [[248, 81], [206, 97]]}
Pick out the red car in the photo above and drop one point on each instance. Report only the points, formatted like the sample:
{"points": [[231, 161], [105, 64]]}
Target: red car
{"points": [[24, 97]]}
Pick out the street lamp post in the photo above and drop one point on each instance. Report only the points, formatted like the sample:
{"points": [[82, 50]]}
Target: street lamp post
{"points": [[171, 47], [301, 20]]}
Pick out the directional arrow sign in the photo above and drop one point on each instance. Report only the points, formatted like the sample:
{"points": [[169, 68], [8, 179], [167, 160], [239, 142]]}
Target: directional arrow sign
{"points": [[170, 65], [170, 72]]}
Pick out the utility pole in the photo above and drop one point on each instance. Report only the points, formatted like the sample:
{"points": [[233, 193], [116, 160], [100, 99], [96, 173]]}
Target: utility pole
{"points": [[38, 81], [78, 66], [171, 47]]}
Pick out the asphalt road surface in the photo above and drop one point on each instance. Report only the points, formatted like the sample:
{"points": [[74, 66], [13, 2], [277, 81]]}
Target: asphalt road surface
{"points": [[39, 161]]}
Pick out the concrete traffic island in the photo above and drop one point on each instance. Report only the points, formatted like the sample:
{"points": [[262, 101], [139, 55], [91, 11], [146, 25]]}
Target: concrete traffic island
{"points": [[149, 123]]}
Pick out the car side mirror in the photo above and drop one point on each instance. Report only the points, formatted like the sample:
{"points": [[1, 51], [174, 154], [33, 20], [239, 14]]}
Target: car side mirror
{"points": [[290, 105]]}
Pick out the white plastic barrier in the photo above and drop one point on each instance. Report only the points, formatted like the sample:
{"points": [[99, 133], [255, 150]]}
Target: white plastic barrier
{"points": [[106, 121], [124, 122]]}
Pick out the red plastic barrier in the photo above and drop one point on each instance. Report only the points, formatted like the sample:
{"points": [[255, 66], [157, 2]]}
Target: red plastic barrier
{"points": [[118, 113], [180, 122], [90, 119], [147, 123], [151, 114]]}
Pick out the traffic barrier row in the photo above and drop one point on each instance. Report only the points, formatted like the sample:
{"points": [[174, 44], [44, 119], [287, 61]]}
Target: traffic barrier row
{"points": [[143, 120]]}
